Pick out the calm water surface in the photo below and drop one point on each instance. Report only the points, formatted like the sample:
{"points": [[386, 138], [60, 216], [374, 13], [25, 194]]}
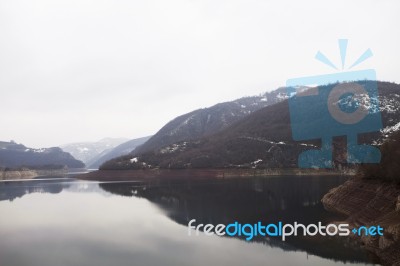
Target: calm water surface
{"points": [[70, 222]]}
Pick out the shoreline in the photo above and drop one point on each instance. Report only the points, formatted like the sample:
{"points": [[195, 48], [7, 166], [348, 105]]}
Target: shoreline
{"points": [[26, 174], [149, 174]]}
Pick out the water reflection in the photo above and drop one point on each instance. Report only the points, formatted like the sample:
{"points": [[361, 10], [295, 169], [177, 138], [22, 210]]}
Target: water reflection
{"points": [[269, 200], [10, 190], [68, 222]]}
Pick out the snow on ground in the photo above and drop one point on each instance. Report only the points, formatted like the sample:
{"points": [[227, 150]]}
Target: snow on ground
{"points": [[174, 147], [82, 149], [389, 130]]}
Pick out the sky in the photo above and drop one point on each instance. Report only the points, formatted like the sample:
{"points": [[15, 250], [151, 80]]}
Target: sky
{"points": [[80, 70]]}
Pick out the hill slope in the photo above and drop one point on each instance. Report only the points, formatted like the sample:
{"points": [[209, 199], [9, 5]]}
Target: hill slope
{"points": [[207, 121], [15, 155], [262, 139], [389, 167]]}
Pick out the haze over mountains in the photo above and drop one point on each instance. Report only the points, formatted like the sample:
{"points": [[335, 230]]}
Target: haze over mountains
{"points": [[257, 139], [13, 155], [88, 152], [122, 149]]}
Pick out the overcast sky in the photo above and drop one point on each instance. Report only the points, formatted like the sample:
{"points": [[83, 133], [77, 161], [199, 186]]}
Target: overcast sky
{"points": [[82, 70]]}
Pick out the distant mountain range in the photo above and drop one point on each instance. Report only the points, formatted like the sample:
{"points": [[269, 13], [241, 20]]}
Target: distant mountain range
{"points": [[13, 155], [256, 137], [90, 152], [122, 149]]}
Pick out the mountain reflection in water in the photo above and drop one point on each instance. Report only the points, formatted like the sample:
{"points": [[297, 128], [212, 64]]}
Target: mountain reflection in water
{"points": [[251, 200], [73, 222]]}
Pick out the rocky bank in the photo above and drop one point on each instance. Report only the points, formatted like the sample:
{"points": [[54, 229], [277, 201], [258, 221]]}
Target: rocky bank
{"points": [[371, 202]]}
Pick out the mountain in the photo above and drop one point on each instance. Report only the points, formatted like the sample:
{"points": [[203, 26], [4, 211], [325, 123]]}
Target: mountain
{"points": [[122, 149], [263, 139], [389, 168], [13, 155], [89, 152], [207, 121]]}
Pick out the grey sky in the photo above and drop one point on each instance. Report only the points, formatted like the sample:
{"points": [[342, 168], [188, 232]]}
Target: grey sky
{"points": [[83, 70]]}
